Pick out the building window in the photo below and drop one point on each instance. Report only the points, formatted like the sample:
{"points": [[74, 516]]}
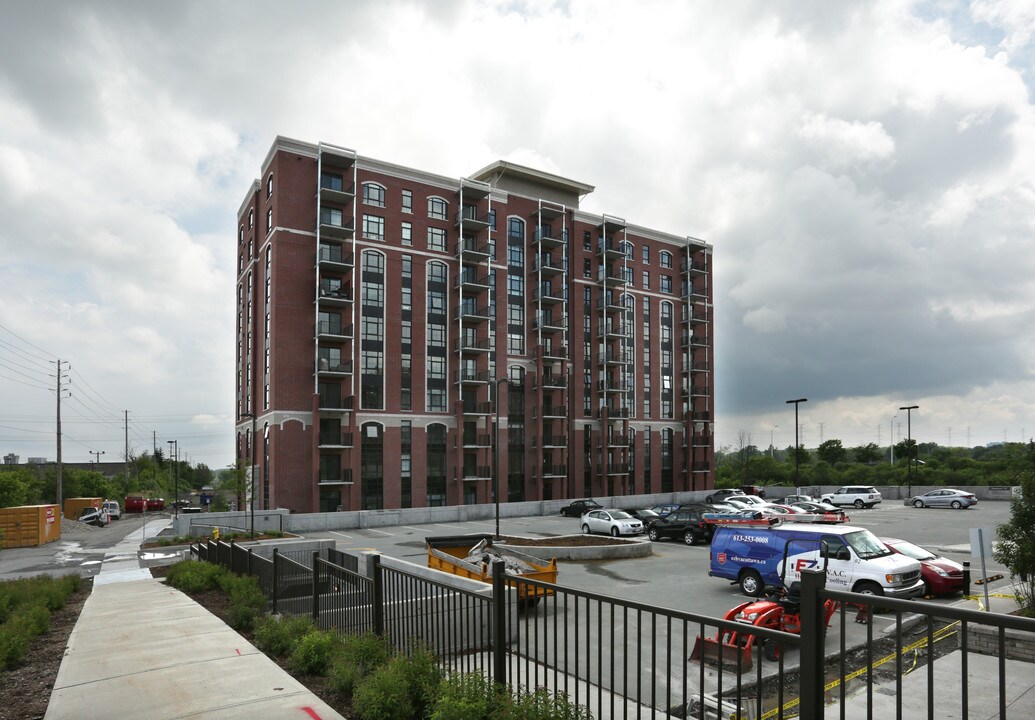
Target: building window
{"points": [[373, 194], [492, 220], [646, 280], [516, 228], [628, 248], [435, 453], [666, 283], [407, 233], [587, 241], [436, 239], [646, 254], [332, 181], [372, 466], [251, 219], [666, 259], [373, 227], [331, 216], [269, 185], [438, 209], [269, 220], [587, 269], [372, 339], [407, 201]]}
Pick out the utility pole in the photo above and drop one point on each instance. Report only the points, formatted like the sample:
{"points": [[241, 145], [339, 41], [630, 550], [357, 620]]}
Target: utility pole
{"points": [[58, 488], [98, 453], [125, 454]]}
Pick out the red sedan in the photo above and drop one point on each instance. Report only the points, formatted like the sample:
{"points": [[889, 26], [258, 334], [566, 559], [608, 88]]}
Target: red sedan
{"points": [[941, 576]]}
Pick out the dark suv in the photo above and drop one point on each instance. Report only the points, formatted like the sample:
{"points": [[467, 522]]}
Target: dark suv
{"points": [[580, 508], [686, 523], [718, 496]]}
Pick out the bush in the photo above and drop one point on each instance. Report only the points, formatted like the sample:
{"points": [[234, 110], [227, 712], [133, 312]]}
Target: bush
{"points": [[313, 652], [406, 687], [469, 697], [358, 657], [14, 643], [190, 576], [278, 635], [247, 602], [545, 705]]}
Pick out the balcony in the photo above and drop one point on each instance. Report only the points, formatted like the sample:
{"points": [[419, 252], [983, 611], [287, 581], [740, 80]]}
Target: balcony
{"points": [[555, 441], [328, 330], [693, 269], [611, 276], [326, 368], [695, 341], [472, 313], [345, 478], [469, 219], [474, 408], [609, 248], [616, 412], [334, 226], [336, 405], [549, 325], [334, 257], [554, 352], [696, 391], [335, 193], [618, 469], [619, 440], [337, 439], [552, 382], [547, 295], [545, 238], [547, 265], [477, 440], [694, 292], [614, 386], [698, 416], [697, 316], [472, 377], [612, 302], [555, 471], [620, 357], [340, 296], [470, 250], [694, 367], [473, 345], [554, 411], [615, 329], [478, 473], [470, 280]]}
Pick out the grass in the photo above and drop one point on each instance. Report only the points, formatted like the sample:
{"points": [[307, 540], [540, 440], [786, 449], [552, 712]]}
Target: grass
{"points": [[25, 608]]}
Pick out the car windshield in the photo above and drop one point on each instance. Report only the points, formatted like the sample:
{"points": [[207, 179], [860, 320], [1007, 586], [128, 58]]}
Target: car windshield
{"points": [[914, 551], [866, 544], [621, 515]]}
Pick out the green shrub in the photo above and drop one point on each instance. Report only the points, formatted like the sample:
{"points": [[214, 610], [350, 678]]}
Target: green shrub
{"points": [[545, 705], [472, 696], [277, 635], [358, 656], [34, 619], [191, 576], [405, 688], [247, 602], [14, 643], [313, 652]]}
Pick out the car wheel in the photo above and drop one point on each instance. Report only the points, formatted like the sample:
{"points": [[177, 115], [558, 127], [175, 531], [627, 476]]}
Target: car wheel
{"points": [[585, 528], [957, 505], [709, 499], [652, 534], [918, 503], [858, 504], [871, 588], [751, 583], [614, 531], [690, 537]]}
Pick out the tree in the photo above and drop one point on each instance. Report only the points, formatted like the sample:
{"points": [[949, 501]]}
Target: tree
{"points": [[832, 452], [869, 454], [1016, 546], [235, 482]]}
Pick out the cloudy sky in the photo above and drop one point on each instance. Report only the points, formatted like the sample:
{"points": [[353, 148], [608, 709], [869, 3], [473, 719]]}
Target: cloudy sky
{"points": [[865, 172]]}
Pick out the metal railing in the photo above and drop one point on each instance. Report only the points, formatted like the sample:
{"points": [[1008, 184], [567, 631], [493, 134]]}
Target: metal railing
{"points": [[621, 658]]}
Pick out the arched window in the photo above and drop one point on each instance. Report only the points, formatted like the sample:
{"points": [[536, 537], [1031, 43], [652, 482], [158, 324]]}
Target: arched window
{"points": [[373, 194], [665, 259], [438, 208]]}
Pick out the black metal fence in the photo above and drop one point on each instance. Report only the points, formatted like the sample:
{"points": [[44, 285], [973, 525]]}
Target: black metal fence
{"points": [[623, 659]]}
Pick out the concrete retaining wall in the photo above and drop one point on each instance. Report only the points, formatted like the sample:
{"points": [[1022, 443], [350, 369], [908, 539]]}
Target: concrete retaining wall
{"points": [[623, 549]]}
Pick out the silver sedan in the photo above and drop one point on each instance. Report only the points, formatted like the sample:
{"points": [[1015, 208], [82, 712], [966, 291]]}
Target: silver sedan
{"points": [[613, 522], [956, 499]]}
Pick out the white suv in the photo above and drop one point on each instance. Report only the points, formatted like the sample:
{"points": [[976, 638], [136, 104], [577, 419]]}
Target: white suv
{"points": [[114, 511], [858, 495]]}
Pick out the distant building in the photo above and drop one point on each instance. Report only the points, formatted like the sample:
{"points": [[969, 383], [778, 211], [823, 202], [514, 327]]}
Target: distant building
{"points": [[10, 459], [381, 307]]}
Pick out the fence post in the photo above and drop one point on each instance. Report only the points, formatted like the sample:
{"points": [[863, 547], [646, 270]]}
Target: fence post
{"points": [[276, 553], [233, 558], [813, 635], [377, 596], [966, 577], [250, 550], [499, 622], [316, 587]]}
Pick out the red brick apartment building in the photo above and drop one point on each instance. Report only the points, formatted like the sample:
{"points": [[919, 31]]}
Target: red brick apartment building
{"points": [[382, 309]]}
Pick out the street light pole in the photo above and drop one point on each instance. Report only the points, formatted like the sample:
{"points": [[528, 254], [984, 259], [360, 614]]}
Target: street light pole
{"points": [[797, 456], [772, 453], [909, 447], [98, 453], [893, 418], [174, 453], [496, 450]]}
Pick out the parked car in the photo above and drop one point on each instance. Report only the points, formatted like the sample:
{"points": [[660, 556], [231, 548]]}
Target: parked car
{"points": [[749, 500], [720, 495], [155, 504], [686, 523], [790, 499], [753, 490], [947, 497], [113, 509], [645, 516], [94, 516], [580, 508], [941, 575], [665, 508], [858, 495], [781, 509], [613, 522], [835, 514]]}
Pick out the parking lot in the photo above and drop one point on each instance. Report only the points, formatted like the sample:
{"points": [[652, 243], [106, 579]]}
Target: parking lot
{"points": [[676, 575]]}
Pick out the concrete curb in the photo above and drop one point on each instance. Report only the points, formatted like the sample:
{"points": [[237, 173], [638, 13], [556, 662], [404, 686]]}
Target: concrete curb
{"points": [[623, 549]]}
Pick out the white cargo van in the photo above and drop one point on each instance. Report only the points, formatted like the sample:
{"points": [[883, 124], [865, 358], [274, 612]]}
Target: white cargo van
{"points": [[854, 558]]}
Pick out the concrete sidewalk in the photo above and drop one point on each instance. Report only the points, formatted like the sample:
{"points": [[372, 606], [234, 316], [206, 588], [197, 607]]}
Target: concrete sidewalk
{"points": [[141, 649]]}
